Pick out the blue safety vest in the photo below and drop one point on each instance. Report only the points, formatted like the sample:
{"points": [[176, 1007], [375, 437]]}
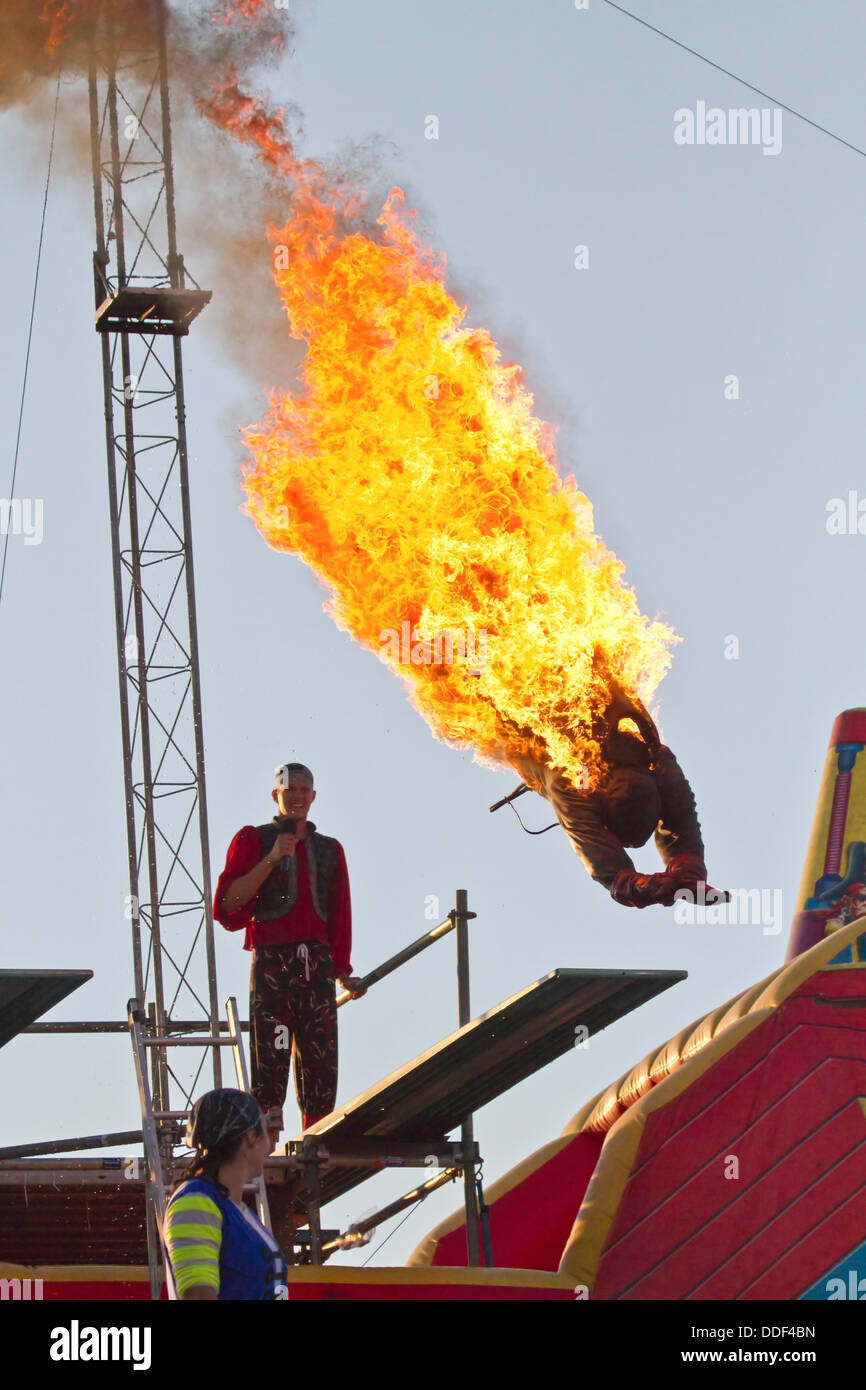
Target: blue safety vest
{"points": [[251, 1264]]}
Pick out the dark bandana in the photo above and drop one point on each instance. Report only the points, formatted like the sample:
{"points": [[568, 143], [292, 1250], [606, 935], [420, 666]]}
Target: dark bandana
{"points": [[219, 1115]]}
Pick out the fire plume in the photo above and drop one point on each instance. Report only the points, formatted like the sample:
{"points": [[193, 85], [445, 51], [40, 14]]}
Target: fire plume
{"points": [[409, 470], [410, 473]]}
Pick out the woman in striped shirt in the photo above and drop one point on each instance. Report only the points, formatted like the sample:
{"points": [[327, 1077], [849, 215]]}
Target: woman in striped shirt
{"points": [[216, 1247]]}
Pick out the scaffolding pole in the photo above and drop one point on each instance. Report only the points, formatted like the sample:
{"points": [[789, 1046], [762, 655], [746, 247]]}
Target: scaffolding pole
{"points": [[144, 305], [467, 1129]]}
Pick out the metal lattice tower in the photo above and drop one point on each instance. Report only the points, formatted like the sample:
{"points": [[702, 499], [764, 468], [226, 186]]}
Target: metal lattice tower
{"points": [[144, 305]]}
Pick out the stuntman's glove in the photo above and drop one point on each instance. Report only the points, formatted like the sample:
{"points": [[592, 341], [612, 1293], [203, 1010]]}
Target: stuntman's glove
{"points": [[687, 866], [643, 890], [690, 872]]}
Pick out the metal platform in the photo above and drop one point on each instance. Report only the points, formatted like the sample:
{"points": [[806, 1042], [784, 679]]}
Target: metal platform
{"points": [[27, 994], [139, 310], [428, 1097]]}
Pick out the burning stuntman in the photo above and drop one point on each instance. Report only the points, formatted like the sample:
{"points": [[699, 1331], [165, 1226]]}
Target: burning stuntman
{"points": [[642, 791]]}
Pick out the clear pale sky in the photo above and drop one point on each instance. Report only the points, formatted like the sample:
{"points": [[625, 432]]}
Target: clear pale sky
{"points": [[556, 129]]}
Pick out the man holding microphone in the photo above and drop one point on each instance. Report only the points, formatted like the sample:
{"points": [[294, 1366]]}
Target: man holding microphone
{"points": [[287, 886]]}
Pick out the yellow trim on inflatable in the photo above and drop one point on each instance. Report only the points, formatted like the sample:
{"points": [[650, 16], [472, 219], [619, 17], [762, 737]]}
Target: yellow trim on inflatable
{"points": [[855, 822], [496, 1278], [817, 848], [82, 1274], [601, 1113], [307, 1274], [670, 1054]]}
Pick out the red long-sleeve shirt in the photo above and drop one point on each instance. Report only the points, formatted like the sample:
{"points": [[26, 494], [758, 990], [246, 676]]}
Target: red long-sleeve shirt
{"points": [[301, 922]]}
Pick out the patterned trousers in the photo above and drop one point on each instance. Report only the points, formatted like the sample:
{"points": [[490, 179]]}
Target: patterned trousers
{"points": [[293, 1013]]}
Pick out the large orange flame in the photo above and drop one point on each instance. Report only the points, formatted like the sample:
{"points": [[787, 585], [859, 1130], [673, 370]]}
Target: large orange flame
{"points": [[410, 471], [411, 474]]}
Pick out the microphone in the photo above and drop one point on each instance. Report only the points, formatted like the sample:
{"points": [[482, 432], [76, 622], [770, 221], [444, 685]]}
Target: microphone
{"points": [[286, 826]]}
